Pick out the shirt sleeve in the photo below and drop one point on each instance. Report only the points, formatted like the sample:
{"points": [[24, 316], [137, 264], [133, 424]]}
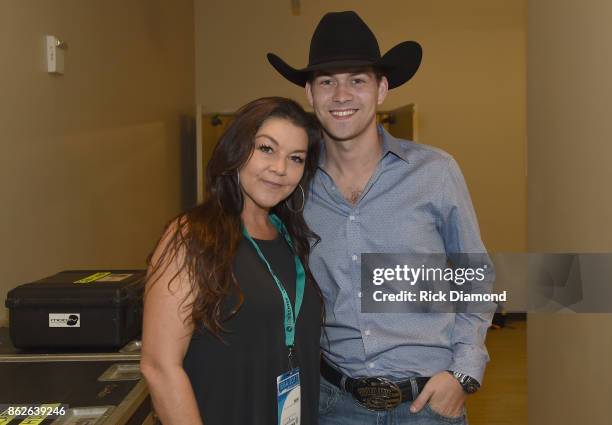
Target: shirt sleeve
{"points": [[461, 234]]}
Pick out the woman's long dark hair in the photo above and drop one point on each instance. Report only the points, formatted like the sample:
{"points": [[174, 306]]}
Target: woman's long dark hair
{"points": [[202, 242]]}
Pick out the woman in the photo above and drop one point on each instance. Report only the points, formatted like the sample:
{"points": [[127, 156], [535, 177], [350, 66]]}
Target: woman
{"points": [[220, 302]]}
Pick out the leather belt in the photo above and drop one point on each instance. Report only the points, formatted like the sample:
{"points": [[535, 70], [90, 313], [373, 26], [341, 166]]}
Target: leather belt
{"points": [[375, 393]]}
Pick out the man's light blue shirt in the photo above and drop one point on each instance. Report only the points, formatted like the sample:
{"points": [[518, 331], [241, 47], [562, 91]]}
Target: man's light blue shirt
{"points": [[415, 202]]}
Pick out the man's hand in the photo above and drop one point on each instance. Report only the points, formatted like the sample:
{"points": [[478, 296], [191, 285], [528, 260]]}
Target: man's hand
{"points": [[444, 394]]}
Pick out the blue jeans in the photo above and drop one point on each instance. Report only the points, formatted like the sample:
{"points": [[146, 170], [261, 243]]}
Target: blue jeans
{"points": [[337, 407]]}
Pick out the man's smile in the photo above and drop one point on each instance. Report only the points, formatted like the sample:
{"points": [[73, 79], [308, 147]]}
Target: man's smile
{"points": [[343, 113]]}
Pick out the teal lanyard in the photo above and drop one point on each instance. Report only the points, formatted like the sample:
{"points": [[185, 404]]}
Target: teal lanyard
{"points": [[300, 282]]}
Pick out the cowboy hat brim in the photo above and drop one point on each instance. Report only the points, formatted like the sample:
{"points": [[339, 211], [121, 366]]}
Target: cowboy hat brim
{"points": [[399, 65]]}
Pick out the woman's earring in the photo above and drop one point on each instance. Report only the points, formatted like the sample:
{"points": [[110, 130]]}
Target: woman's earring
{"points": [[303, 202]]}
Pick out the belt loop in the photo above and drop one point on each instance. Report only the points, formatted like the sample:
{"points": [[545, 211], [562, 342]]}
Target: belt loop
{"points": [[415, 388], [343, 383]]}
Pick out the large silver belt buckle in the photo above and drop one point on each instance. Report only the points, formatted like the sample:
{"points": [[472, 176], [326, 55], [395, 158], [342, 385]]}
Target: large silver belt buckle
{"points": [[376, 393]]}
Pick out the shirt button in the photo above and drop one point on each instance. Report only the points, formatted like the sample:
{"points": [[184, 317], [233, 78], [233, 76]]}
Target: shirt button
{"points": [[366, 332], [352, 218], [359, 294], [371, 365], [354, 257]]}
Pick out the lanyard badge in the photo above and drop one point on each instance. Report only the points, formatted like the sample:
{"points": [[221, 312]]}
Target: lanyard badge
{"points": [[288, 392], [290, 314]]}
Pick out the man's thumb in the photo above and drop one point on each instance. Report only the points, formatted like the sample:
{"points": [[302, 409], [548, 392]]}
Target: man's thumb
{"points": [[420, 401]]}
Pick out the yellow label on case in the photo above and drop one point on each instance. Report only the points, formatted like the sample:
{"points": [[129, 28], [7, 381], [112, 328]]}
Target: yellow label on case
{"points": [[44, 411], [92, 277], [5, 418]]}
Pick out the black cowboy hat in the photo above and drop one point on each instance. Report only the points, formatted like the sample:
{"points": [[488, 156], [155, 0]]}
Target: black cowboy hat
{"points": [[343, 40]]}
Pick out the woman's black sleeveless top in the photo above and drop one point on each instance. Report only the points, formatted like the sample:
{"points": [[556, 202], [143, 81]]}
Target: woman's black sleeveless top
{"points": [[235, 383]]}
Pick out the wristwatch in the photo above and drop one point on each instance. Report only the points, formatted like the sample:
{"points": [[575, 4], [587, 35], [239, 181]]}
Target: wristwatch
{"points": [[469, 384]]}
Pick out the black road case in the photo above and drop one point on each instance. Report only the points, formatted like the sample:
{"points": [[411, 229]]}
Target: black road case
{"points": [[72, 392], [77, 309], [51, 387]]}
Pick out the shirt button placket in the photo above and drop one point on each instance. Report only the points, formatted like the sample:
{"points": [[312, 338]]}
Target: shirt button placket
{"points": [[355, 244], [353, 231]]}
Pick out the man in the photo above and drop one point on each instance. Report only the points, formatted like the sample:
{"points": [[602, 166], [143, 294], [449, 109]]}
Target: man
{"points": [[374, 193]]}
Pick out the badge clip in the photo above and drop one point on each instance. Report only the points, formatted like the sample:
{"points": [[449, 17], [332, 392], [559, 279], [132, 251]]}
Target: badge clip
{"points": [[291, 357]]}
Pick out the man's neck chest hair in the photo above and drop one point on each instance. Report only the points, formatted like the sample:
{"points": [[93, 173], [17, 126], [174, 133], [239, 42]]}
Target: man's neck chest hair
{"points": [[351, 186], [351, 179]]}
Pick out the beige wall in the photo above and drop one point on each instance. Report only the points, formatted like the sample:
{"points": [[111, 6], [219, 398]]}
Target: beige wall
{"points": [[570, 98], [470, 91], [570, 204], [89, 169]]}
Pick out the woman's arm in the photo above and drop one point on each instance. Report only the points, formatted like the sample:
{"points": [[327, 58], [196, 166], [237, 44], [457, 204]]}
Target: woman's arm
{"points": [[167, 331]]}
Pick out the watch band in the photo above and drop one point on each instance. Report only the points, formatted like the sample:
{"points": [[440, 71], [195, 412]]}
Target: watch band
{"points": [[469, 384]]}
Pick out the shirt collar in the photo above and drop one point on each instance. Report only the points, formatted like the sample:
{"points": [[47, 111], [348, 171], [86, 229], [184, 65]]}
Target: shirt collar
{"points": [[390, 145]]}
